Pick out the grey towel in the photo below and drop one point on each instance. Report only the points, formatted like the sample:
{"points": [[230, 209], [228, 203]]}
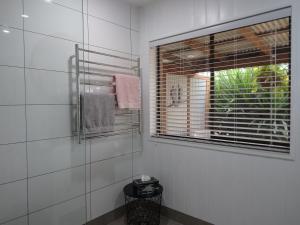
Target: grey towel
{"points": [[99, 112]]}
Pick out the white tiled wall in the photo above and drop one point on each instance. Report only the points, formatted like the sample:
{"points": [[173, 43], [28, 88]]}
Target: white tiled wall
{"points": [[221, 187], [44, 172]]}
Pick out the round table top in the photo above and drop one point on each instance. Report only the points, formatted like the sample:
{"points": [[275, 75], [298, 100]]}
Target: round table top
{"points": [[131, 191]]}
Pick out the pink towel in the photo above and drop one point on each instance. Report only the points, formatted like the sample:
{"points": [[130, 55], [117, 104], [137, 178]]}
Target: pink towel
{"points": [[128, 91]]}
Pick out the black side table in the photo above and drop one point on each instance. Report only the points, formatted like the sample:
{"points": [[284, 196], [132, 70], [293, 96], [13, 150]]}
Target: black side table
{"points": [[143, 209]]}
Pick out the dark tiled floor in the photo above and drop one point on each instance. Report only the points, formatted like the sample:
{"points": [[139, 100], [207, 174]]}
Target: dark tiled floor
{"points": [[163, 221]]}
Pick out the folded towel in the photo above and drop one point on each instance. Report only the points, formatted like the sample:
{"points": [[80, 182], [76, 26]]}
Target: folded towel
{"points": [[128, 91], [99, 112]]}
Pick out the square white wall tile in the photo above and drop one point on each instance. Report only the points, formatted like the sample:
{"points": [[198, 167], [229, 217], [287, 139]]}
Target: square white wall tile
{"points": [[56, 154], [56, 187], [12, 162], [114, 11], [48, 121], [13, 200], [48, 53], [19, 221], [68, 213], [104, 34], [66, 23], [107, 147], [12, 124], [11, 44], [107, 199], [49, 87], [110, 171], [10, 13], [12, 87]]}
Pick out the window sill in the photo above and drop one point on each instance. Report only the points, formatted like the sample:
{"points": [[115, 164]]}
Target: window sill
{"points": [[222, 148]]}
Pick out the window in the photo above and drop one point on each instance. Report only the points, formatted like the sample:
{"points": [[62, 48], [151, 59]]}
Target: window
{"points": [[230, 87]]}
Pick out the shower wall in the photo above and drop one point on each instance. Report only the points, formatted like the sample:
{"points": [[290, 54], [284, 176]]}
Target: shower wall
{"points": [[46, 177]]}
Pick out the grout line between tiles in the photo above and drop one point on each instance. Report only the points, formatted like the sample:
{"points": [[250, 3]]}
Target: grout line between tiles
{"points": [[67, 200], [97, 17], [13, 181], [11, 66], [12, 105], [36, 140], [55, 204], [42, 139], [78, 196], [53, 36], [42, 104], [116, 24], [52, 138], [13, 143], [59, 71], [66, 39], [79, 42], [13, 219], [26, 124], [70, 168], [90, 142], [11, 27], [86, 142], [131, 50], [90, 15]]}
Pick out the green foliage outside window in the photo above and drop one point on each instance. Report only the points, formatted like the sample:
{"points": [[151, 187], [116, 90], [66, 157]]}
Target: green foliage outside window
{"points": [[256, 97]]}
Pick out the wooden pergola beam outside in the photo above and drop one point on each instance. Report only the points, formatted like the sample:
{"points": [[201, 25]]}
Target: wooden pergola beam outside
{"points": [[249, 34]]}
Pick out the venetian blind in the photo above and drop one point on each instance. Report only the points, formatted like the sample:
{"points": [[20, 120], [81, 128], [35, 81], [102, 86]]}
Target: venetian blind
{"points": [[231, 87]]}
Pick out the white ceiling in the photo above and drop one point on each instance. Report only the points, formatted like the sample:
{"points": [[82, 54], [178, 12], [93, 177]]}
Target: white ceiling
{"points": [[139, 2]]}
